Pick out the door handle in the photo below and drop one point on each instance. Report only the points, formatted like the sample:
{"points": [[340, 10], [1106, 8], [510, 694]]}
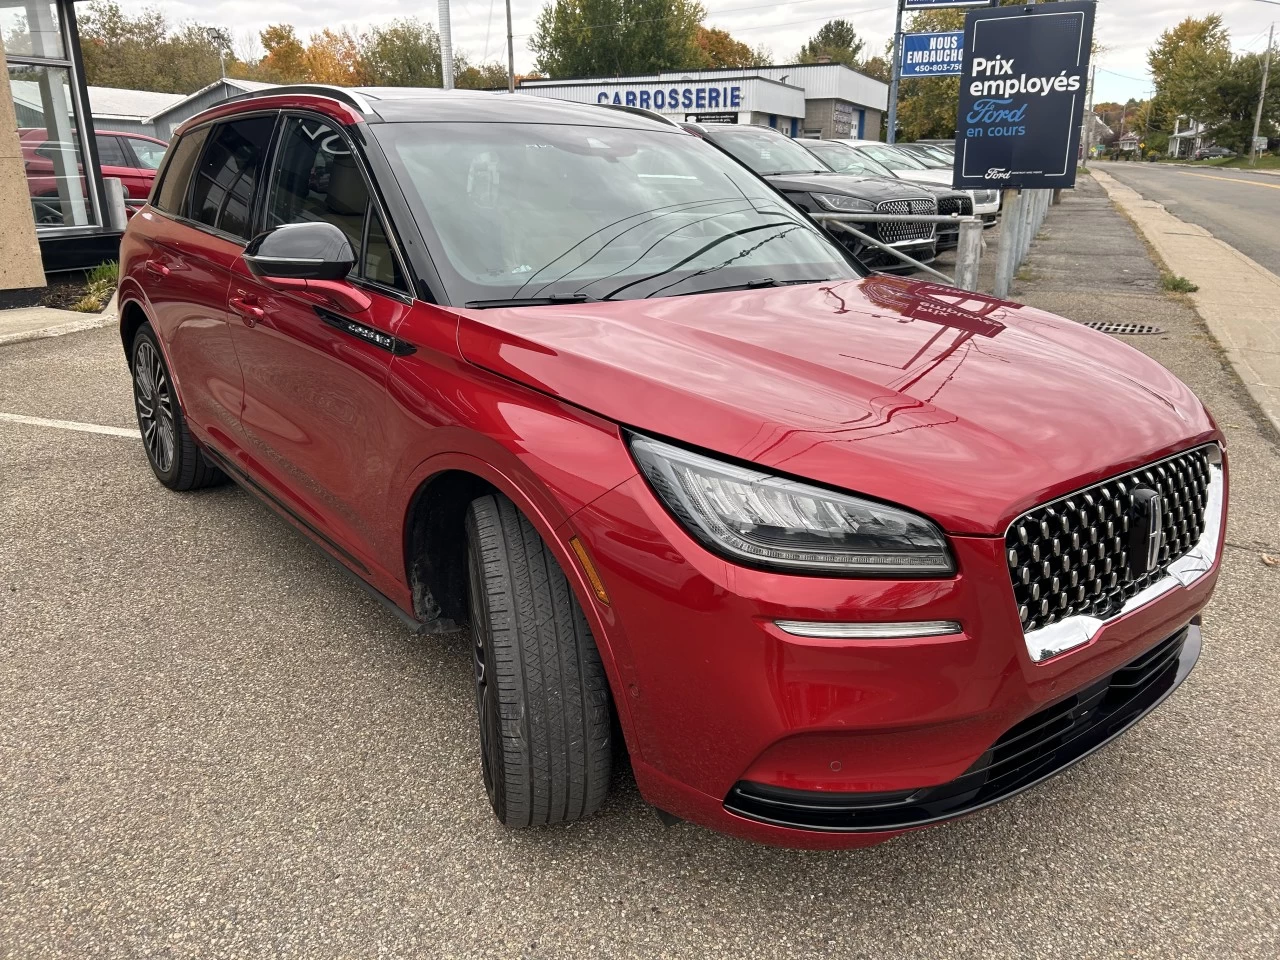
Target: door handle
{"points": [[156, 267], [248, 309]]}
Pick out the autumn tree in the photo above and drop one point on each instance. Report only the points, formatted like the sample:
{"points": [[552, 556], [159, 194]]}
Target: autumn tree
{"points": [[484, 76], [286, 57], [836, 41], [333, 57], [719, 49]]}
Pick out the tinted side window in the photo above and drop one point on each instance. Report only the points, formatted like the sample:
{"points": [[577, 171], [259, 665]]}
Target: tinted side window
{"points": [[173, 190], [110, 153], [228, 172], [318, 179]]}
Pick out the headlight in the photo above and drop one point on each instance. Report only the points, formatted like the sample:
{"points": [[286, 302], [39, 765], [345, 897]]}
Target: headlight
{"points": [[843, 204], [770, 521]]}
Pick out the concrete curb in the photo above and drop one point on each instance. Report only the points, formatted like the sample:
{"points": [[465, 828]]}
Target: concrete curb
{"points": [[93, 322], [1237, 295]]}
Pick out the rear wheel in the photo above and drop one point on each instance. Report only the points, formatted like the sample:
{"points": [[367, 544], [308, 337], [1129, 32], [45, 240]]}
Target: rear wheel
{"points": [[541, 692], [171, 450]]}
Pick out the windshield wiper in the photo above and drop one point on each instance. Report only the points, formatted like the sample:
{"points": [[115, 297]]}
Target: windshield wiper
{"points": [[531, 301], [760, 284]]}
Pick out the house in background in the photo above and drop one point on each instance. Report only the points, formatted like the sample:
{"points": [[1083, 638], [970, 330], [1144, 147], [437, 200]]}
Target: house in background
{"points": [[1129, 142], [129, 111], [171, 116], [1187, 138]]}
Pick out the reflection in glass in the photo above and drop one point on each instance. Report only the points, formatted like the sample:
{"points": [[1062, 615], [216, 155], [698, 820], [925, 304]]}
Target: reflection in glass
{"points": [[30, 28], [50, 141]]}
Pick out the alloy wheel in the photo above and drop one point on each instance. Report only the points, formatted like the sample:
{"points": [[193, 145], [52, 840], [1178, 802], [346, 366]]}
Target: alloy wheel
{"points": [[154, 401]]}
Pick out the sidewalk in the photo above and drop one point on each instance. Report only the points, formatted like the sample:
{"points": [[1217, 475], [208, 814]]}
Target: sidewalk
{"points": [[35, 323], [1238, 297], [1091, 264]]}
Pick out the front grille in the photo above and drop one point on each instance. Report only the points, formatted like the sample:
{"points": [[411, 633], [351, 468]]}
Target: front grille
{"points": [[903, 232], [985, 196], [1040, 746], [955, 206], [1071, 557]]}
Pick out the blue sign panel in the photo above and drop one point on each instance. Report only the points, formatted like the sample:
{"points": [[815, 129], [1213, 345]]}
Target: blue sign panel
{"points": [[1022, 94], [938, 4], [932, 54]]}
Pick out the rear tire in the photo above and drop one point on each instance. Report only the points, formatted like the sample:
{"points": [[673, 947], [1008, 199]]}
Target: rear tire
{"points": [[541, 691], [171, 450]]}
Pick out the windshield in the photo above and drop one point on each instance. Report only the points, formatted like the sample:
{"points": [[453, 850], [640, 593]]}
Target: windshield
{"points": [[891, 157], [844, 159], [766, 152], [533, 211], [929, 157]]}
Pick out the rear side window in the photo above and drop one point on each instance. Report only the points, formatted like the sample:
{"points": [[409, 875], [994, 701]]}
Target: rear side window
{"points": [[227, 175], [110, 153], [173, 190]]}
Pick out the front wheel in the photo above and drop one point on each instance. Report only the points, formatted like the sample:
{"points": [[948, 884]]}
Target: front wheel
{"points": [[541, 691], [171, 450]]}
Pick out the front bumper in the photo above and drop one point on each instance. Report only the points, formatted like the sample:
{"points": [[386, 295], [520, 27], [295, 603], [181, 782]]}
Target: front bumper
{"points": [[713, 695]]}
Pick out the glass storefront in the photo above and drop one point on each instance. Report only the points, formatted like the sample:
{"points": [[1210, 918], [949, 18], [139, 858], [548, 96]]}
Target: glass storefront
{"points": [[50, 126]]}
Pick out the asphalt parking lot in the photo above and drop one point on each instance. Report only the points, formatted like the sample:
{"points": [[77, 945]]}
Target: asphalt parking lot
{"points": [[213, 744]]}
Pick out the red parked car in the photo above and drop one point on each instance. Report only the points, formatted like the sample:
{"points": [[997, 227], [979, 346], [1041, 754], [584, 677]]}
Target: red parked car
{"points": [[131, 157], [843, 555]]}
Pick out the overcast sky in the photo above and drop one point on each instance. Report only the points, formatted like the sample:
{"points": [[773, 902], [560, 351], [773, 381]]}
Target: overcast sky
{"points": [[1126, 27]]}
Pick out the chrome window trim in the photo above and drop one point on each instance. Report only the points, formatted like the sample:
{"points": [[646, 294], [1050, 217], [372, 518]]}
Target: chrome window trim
{"points": [[1071, 632]]}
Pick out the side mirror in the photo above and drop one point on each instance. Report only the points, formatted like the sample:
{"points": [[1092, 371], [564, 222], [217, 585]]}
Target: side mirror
{"points": [[300, 251]]}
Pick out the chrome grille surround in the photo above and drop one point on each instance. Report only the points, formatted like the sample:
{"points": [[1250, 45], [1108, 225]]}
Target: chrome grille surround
{"points": [[1068, 559], [907, 232]]}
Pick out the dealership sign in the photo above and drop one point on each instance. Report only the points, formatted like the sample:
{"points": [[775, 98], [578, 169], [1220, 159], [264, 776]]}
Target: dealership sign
{"points": [[1022, 93], [665, 97], [932, 54]]}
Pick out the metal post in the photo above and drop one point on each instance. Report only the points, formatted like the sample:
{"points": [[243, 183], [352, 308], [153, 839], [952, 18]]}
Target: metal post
{"points": [[895, 78], [446, 46], [511, 54], [1088, 112], [117, 217], [1057, 197], [1262, 99], [969, 255], [1007, 255]]}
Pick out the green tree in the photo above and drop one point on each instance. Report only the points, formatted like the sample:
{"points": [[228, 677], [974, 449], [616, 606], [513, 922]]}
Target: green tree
{"points": [[485, 76], [141, 52], [402, 53], [837, 41], [1185, 58], [616, 37], [1227, 102]]}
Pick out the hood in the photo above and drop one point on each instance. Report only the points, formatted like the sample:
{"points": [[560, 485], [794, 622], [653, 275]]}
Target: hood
{"points": [[942, 177], [968, 409], [878, 189]]}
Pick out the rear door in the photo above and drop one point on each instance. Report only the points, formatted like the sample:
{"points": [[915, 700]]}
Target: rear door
{"points": [[198, 234], [315, 403]]}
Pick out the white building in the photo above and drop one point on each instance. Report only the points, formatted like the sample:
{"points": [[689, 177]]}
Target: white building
{"points": [[803, 100]]}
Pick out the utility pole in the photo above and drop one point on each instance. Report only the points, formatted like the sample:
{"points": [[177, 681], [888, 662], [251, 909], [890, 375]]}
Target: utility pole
{"points": [[446, 46], [895, 78], [1262, 98], [511, 54]]}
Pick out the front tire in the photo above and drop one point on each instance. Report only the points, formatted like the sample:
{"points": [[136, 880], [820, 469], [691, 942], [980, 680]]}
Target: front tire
{"points": [[541, 692], [171, 450]]}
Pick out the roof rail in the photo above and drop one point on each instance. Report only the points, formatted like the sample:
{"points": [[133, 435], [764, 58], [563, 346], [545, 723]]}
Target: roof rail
{"points": [[343, 94], [640, 112]]}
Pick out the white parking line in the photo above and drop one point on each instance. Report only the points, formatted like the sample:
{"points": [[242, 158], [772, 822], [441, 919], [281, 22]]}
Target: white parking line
{"points": [[130, 432]]}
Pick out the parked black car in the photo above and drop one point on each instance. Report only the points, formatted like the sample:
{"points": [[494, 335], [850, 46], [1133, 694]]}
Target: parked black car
{"points": [[812, 185], [843, 159]]}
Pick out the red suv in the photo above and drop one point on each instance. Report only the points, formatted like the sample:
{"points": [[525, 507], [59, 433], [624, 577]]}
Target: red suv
{"points": [[133, 158], [842, 555]]}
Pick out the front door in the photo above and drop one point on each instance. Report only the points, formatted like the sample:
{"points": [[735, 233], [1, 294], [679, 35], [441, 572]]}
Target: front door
{"points": [[315, 404]]}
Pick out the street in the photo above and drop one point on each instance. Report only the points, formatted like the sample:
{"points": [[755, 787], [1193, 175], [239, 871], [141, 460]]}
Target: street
{"points": [[1239, 207], [213, 744]]}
